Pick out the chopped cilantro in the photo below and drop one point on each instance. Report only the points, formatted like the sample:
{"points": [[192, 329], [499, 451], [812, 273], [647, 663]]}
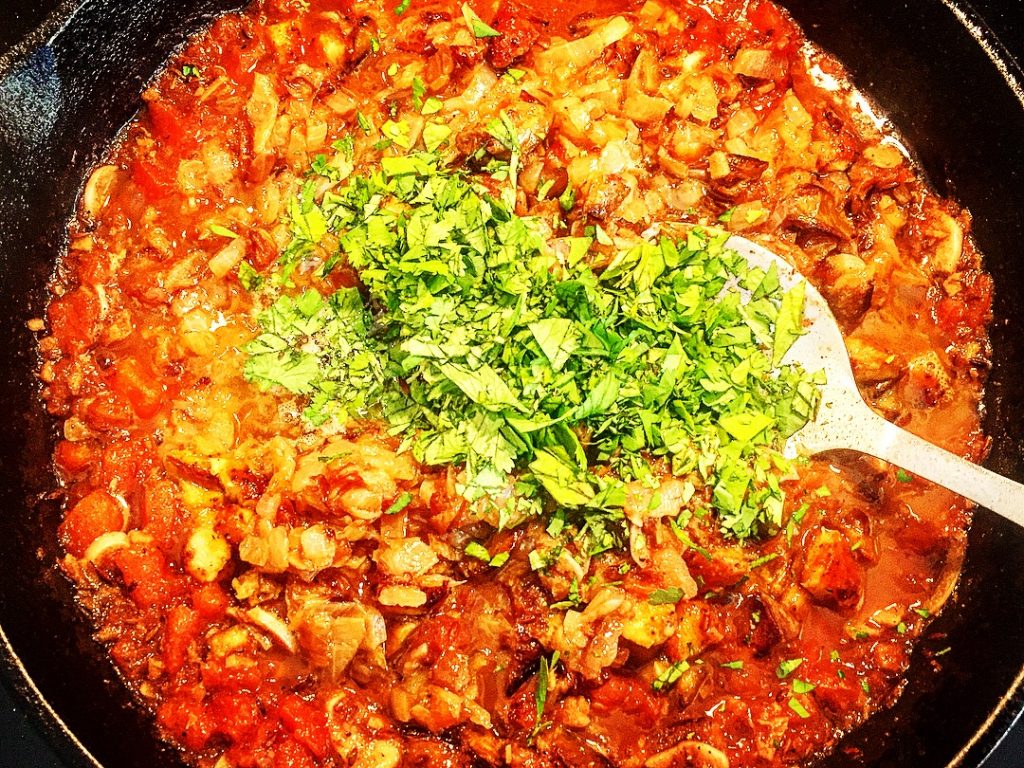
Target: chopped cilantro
{"points": [[403, 501], [567, 200], [500, 559], [398, 132], [670, 676], [763, 560], [798, 707], [671, 595], [537, 560], [903, 476], [418, 92], [189, 71], [789, 323], [476, 24], [434, 135], [544, 674], [250, 279], [431, 106], [402, 7], [787, 667], [573, 599], [222, 231], [483, 344], [802, 686], [479, 551], [345, 145]]}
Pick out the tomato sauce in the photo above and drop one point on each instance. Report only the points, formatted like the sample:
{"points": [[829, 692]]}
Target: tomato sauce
{"points": [[242, 566]]}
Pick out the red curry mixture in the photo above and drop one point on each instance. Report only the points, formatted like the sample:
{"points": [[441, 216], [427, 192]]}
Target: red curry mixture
{"points": [[237, 562]]}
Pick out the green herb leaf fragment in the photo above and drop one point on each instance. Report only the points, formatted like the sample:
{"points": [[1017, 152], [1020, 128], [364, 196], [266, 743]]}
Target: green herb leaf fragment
{"points": [[476, 24], [669, 596], [670, 676], [787, 667], [795, 705]]}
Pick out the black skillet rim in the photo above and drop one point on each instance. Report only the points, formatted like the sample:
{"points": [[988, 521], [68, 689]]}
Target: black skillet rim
{"points": [[15, 677]]}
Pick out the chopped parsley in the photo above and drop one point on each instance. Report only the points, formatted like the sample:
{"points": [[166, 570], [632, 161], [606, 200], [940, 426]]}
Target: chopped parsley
{"points": [[403, 501], [478, 550], [431, 106], [670, 676], [802, 686], [485, 341], [798, 707], [669, 596], [418, 92], [764, 560], [250, 279], [544, 674], [787, 667], [476, 24], [222, 231], [500, 559]]}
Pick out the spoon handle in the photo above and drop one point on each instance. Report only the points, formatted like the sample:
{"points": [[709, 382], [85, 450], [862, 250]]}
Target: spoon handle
{"points": [[886, 441]]}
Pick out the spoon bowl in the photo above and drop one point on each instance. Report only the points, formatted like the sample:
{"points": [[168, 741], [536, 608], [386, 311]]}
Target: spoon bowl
{"points": [[844, 420]]}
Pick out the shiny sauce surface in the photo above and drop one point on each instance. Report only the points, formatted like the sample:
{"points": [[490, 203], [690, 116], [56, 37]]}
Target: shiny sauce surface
{"points": [[239, 564]]}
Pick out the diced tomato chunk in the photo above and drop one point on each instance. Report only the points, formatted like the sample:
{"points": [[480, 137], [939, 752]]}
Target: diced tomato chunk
{"points": [[73, 457], [180, 630], [968, 310], [210, 601], [92, 516], [134, 380], [185, 718], [307, 724], [120, 465], [73, 320], [168, 123], [291, 754], [626, 695], [235, 714], [146, 576], [106, 411], [162, 513], [155, 179], [518, 34]]}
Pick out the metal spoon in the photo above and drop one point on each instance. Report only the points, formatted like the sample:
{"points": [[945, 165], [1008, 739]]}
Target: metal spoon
{"points": [[845, 421]]}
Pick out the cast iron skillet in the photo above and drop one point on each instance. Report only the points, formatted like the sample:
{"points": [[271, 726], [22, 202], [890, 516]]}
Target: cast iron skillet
{"points": [[930, 65]]}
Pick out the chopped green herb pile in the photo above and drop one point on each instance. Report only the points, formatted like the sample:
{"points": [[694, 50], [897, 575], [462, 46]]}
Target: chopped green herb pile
{"points": [[485, 341]]}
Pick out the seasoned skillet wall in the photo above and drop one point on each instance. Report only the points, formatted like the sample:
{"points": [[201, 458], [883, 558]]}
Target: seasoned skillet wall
{"points": [[63, 96], [978, 166]]}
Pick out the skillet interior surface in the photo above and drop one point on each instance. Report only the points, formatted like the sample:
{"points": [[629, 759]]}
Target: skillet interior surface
{"points": [[64, 94]]}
